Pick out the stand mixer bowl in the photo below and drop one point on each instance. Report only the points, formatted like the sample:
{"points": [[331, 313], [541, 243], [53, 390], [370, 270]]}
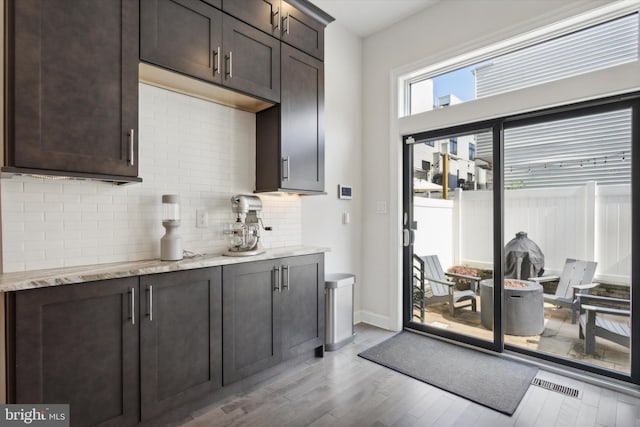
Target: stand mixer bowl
{"points": [[243, 239]]}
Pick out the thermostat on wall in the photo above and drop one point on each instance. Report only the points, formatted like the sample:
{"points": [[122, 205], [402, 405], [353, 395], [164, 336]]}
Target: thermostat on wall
{"points": [[345, 191]]}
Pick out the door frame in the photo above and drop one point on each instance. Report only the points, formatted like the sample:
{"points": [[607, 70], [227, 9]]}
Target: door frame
{"points": [[494, 126]]}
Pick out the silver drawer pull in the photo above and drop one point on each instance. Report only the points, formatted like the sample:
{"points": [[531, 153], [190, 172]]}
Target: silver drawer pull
{"points": [[229, 71], [286, 284], [132, 139], [133, 306], [150, 303], [287, 176], [277, 281], [216, 56]]}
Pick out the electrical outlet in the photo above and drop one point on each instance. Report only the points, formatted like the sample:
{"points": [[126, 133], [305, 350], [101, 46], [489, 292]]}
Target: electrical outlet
{"points": [[202, 218]]}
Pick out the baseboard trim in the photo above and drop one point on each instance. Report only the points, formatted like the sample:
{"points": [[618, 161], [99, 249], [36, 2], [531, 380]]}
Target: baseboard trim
{"points": [[375, 319]]}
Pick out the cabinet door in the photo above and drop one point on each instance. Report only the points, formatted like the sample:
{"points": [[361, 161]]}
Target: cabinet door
{"points": [[180, 333], [262, 14], [250, 319], [302, 127], [302, 31], [251, 60], [302, 304], [182, 35], [78, 344], [74, 94]]}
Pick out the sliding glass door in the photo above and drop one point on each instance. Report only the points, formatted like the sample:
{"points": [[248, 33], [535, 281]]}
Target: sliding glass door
{"points": [[567, 187], [449, 202], [543, 203]]}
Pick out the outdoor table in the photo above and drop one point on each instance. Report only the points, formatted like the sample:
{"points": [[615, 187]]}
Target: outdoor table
{"points": [[523, 307]]}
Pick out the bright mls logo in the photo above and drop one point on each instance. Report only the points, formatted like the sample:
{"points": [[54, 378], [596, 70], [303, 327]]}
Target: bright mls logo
{"points": [[34, 415]]}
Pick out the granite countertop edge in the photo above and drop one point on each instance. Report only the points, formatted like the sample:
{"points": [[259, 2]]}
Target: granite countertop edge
{"points": [[18, 281]]}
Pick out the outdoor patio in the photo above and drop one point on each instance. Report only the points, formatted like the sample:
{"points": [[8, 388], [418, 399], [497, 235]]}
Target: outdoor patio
{"points": [[559, 337]]}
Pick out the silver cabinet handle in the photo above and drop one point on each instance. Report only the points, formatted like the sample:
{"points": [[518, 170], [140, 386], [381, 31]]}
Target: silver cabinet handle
{"points": [[277, 281], [286, 284], [150, 303], [133, 306], [216, 57], [287, 176], [132, 139], [275, 19], [229, 71], [286, 28]]}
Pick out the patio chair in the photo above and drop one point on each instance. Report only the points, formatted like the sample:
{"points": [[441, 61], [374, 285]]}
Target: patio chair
{"points": [[427, 270], [576, 276], [604, 317]]}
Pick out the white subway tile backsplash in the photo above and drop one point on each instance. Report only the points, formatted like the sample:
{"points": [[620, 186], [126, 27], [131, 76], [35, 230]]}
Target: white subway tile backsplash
{"points": [[202, 151], [18, 233]]}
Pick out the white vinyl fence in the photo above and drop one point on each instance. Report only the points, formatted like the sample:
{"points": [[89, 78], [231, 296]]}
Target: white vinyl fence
{"points": [[587, 222]]}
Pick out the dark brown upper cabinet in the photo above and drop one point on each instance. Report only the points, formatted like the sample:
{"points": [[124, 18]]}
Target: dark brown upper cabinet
{"points": [[72, 92], [195, 39], [301, 30], [290, 136], [262, 14], [251, 60], [297, 22], [182, 35]]}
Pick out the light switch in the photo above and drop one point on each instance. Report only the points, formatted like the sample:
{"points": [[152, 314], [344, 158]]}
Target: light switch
{"points": [[346, 217], [202, 218], [381, 207]]}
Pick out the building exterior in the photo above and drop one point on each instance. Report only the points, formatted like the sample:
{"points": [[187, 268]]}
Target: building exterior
{"points": [[573, 151]]}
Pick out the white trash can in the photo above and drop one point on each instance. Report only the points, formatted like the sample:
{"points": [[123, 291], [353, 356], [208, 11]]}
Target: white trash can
{"points": [[339, 310]]}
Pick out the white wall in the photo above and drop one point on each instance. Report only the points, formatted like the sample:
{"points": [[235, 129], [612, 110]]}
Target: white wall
{"points": [[445, 30], [322, 215], [202, 151]]}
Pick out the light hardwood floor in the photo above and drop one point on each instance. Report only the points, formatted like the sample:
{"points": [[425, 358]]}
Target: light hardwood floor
{"points": [[343, 389]]}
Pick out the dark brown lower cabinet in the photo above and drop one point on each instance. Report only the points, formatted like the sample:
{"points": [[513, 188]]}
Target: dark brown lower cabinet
{"points": [[250, 338], [180, 338], [302, 304], [125, 351], [272, 311], [78, 344]]}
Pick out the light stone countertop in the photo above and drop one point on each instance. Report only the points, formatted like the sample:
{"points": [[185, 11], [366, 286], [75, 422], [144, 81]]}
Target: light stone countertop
{"points": [[64, 276]]}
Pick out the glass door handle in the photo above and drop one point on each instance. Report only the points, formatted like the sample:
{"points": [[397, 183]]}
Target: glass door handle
{"points": [[408, 236]]}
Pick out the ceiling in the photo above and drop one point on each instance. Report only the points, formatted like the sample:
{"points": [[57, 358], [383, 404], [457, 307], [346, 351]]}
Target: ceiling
{"points": [[365, 17]]}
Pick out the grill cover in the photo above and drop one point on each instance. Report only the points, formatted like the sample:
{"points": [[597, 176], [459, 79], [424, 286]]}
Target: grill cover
{"points": [[523, 258]]}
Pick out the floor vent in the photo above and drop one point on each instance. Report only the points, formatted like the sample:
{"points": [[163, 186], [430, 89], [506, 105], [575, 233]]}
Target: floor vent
{"points": [[559, 388]]}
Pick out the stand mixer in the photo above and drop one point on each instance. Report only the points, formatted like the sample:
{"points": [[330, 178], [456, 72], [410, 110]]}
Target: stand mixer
{"points": [[244, 233]]}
